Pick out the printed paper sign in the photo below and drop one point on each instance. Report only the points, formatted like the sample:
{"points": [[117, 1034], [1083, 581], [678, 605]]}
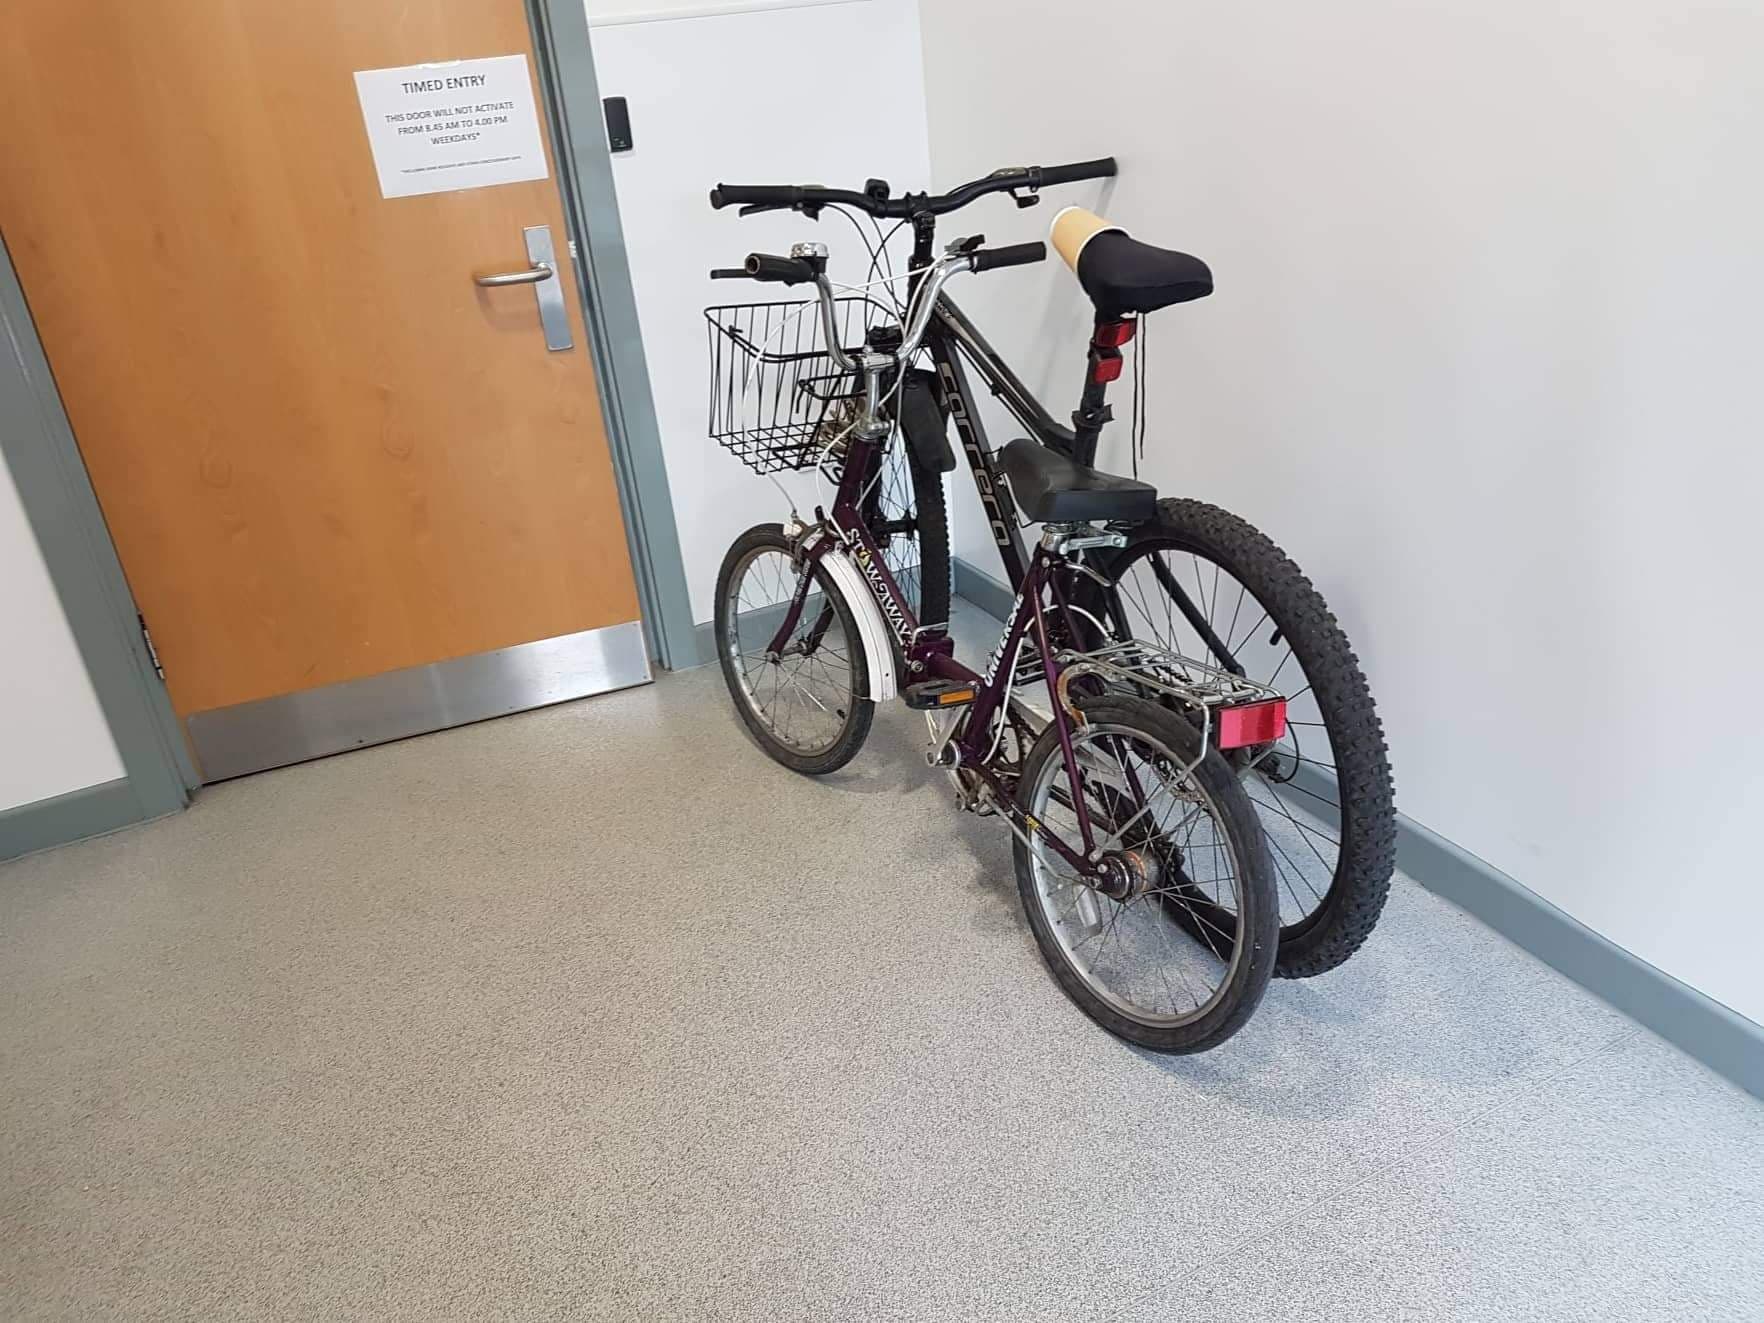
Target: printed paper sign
{"points": [[435, 128]]}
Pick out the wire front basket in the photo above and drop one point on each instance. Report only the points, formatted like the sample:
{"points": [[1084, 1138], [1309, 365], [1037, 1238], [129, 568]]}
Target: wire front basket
{"points": [[775, 390]]}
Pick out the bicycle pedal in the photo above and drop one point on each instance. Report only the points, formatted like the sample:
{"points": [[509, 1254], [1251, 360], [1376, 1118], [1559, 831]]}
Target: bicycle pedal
{"points": [[937, 695]]}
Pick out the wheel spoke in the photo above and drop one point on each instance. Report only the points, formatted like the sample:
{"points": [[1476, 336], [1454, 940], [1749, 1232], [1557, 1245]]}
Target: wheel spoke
{"points": [[1280, 871], [1232, 645], [1307, 830], [1280, 850], [1321, 799]]}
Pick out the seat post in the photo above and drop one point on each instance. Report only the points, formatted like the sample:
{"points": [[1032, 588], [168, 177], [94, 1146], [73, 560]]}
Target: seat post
{"points": [[1103, 365]]}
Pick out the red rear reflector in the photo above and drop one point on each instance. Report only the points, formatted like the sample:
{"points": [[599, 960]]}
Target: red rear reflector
{"points": [[1106, 369], [1112, 335], [1253, 723]]}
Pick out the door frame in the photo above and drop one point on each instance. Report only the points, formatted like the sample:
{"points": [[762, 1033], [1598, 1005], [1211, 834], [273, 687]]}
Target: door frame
{"points": [[571, 95], [64, 515]]}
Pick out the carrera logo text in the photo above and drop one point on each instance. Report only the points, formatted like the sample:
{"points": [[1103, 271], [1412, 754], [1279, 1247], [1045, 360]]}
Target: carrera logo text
{"points": [[958, 410]]}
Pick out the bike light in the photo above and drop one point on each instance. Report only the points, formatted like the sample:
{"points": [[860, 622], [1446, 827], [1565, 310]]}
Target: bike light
{"points": [[1251, 723], [1112, 335]]}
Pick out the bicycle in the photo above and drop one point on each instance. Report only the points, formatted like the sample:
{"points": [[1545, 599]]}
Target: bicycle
{"points": [[1324, 790]]}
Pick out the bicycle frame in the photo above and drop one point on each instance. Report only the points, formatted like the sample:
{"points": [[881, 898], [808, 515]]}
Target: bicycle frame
{"points": [[929, 652], [949, 332], [949, 339]]}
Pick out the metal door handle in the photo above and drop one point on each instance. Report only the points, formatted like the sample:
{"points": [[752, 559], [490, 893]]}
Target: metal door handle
{"points": [[554, 316], [532, 276]]}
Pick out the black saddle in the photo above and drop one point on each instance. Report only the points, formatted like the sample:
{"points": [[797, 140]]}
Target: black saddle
{"points": [[1049, 488], [1122, 275]]}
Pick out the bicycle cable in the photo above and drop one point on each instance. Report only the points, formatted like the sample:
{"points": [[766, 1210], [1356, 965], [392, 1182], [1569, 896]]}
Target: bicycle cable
{"points": [[881, 262], [1136, 437]]}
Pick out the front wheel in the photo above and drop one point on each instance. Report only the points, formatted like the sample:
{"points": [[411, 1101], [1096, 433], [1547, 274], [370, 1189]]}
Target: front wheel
{"points": [[1175, 954], [904, 509], [805, 702]]}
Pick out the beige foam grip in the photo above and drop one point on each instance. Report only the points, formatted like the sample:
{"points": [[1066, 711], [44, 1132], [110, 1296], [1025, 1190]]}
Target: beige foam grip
{"points": [[1073, 228]]}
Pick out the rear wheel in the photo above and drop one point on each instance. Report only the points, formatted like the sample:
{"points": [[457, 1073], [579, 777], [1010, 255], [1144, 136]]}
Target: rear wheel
{"points": [[1185, 842], [805, 701], [1324, 790]]}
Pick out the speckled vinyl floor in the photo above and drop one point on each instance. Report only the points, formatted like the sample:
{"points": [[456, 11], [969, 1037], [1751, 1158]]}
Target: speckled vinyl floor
{"points": [[596, 1013]]}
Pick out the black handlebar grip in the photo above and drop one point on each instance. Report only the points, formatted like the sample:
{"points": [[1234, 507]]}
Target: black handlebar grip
{"points": [[1072, 174], [1017, 254], [766, 195], [781, 270]]}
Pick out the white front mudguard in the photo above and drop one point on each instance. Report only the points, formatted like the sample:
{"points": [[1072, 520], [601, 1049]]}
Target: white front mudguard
{"points": [[873, 632]]}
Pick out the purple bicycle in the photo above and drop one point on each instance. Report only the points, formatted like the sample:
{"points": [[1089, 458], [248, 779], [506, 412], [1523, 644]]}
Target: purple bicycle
{"points": [[1141, 863], [1194, 578]]}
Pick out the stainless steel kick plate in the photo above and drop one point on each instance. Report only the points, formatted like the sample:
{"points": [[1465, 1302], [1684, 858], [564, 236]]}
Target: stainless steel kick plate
{"points": [[290, 728]]}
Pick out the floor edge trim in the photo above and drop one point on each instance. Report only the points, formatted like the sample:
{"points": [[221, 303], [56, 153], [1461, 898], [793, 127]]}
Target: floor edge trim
{"points": [[77, 815], [1722, 1039]]}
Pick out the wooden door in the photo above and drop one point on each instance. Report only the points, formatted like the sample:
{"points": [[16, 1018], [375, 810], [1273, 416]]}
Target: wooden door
{"points": [[323, 452]]}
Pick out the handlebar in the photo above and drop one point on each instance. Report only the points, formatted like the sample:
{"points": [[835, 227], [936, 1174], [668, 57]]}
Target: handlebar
{"points": [[779, 270], [1078, 172], [794, 271], [758, 195], [1016, 254], [876, 201]]}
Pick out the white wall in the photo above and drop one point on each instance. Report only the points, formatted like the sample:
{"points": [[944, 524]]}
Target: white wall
{"points": [[53, 737], [768, 97], [1483, 355]]}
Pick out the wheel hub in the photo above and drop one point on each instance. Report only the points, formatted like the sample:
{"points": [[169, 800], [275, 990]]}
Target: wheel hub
{"points": [[1128, 874]]}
